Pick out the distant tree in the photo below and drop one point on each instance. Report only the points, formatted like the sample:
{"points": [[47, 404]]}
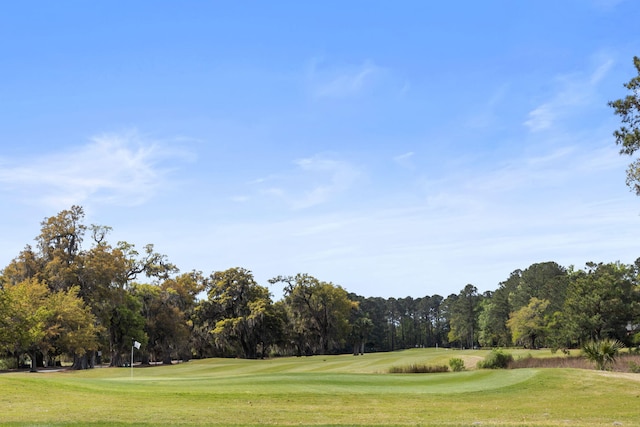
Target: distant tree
{"points": [[439, 323], [37, 321], [361, 326], [492, 320], [239, 307], [527, 324], [546, 280], [186, 288], [410, 331], [628, 135], [126, 324], [165, 322], [60, 244], [463, 318], [602, 301], [375, 309], [318, 313], [72, 327], [27, 265], [557, 334], [27, 311], [106, 275], [394, 316]]}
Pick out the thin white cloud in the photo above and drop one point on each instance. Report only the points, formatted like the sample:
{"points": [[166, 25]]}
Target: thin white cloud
{"points": [[575, 91], [606, 5], [336, 177], [240, 199], [340, 82], [405, 160], [541, 118], [121, 169], [313, 181], [485, 115]]}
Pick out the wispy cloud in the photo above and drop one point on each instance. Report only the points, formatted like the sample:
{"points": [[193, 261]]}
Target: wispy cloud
{"points": [[485, 115], [405, 160], [121, 169], [313, 181], [606, 5], [328, 81], [574, 91]]}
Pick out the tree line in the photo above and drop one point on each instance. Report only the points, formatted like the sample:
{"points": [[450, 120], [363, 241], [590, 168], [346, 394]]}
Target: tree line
{"points": [[77, 296]]}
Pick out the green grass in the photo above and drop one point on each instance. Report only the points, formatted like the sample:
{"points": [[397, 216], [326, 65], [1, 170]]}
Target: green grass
{"points": [[321, 391]]}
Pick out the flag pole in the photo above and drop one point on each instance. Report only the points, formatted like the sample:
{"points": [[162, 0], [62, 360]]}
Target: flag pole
{"points": [[134, 344]]}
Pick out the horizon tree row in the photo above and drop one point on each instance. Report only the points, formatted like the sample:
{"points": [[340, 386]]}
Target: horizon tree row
{"points": [[62, 299]]}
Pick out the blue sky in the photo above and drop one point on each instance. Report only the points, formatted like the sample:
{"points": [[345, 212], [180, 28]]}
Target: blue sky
{"points": [[393, 148]]}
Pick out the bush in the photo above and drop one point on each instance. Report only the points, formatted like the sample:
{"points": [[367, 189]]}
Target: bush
{"points": [[634, 367], [456, 364], [6, 364], [418, 369], [602, 352], [497, 359]]}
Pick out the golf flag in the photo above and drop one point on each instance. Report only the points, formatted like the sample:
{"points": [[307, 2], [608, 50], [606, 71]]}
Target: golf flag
{"points": [[136, 344]]}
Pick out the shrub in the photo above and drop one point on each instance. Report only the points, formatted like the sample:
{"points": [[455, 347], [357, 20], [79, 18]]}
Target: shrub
{"points": [[456, 364], [497, 359], [6, 364], [602, 352], [634, 367], [418, 369]]}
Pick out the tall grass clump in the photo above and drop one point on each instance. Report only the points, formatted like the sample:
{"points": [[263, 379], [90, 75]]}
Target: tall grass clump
{"points": [[602, 352], [634, 367], [456, 364], [573, 362], [497, 359], [415, 368]]}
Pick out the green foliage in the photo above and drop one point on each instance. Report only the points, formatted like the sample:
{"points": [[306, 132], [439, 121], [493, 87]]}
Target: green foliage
{"points": [[464, 310], [602, 352], [601, 301], [492, 320], [90, 302], [72, 327], [628, 135], [527, 324], [165, 322], [126, 324], [37, 319], [456, 364], [415, 368], [238, 306], [318, 313], [545, 281], [497, 359], [8, 364]]}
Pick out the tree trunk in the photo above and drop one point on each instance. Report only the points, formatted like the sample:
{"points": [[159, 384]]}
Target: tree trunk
{"points": [[80, 362], [166, 357], [34, 361], [116, 359]]}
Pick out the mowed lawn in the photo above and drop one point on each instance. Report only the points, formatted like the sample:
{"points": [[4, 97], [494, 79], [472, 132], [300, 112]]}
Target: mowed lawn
{"points": [[321, 390]]}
